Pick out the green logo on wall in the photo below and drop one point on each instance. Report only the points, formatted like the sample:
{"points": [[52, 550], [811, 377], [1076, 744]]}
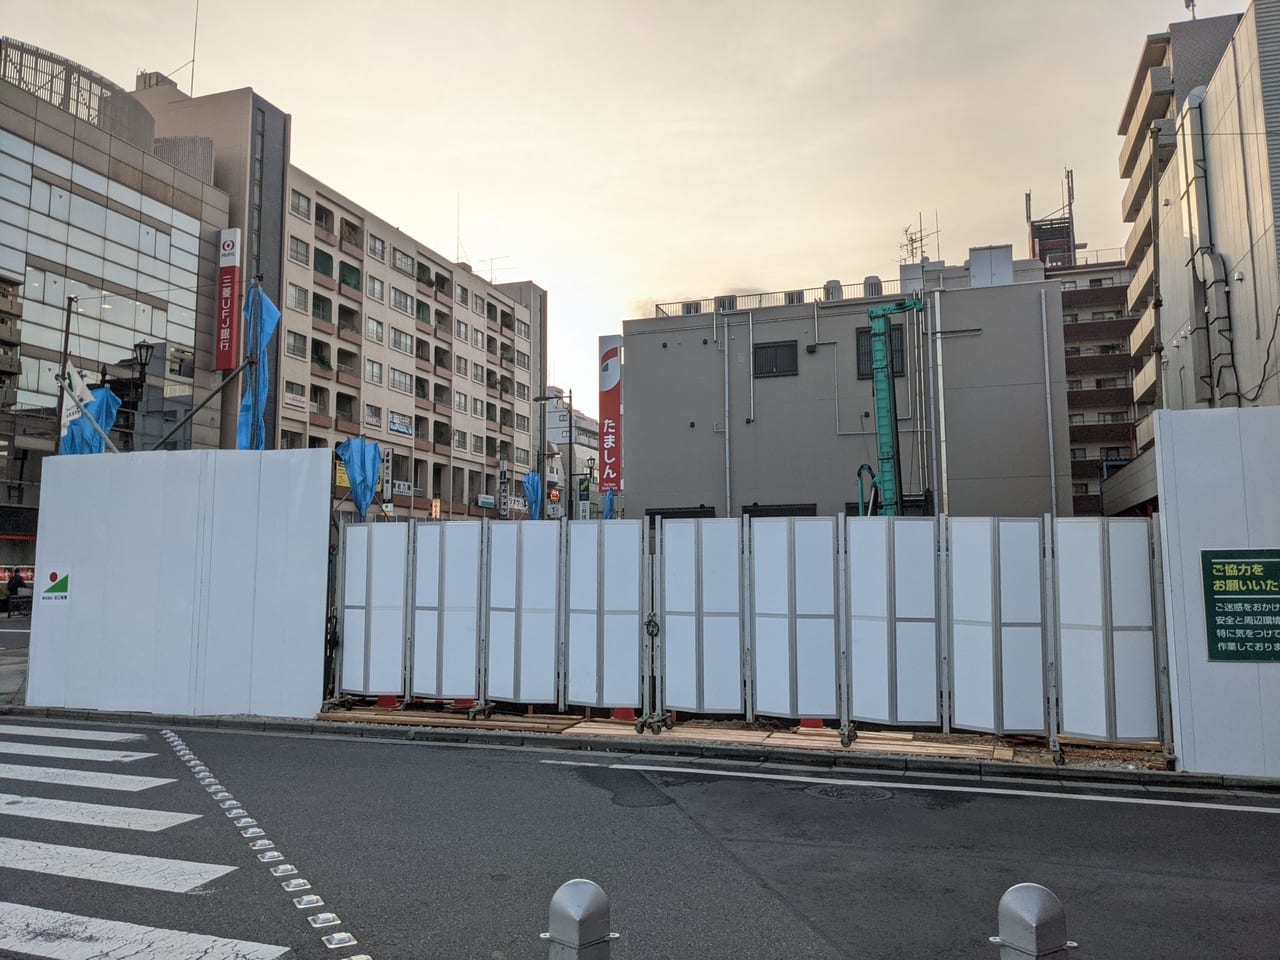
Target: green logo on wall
{"points": [[59, 587]]}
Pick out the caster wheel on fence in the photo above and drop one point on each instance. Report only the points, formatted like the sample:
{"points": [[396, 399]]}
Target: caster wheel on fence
{"points": [[1059, 759], [656, 727], [639, 726], [845, 739], [669, 723]]}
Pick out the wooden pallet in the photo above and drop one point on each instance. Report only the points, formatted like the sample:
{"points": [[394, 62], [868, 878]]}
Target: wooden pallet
{"points": [[422, 718], [919, 748]]}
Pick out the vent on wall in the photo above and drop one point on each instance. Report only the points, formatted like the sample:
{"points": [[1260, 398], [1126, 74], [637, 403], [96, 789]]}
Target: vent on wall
{"points": [[794, 297], [727, 303], [691, 308], [872, 287], [832, 290]]}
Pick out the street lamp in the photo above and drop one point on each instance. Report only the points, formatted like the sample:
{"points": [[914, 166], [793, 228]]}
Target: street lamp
{"points": [[568, 399]]}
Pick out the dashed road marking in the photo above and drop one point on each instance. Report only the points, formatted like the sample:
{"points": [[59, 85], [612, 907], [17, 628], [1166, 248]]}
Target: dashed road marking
{"points": [[71, 753], [126, 869], [92, 814], [69, 733], [81, 778]]}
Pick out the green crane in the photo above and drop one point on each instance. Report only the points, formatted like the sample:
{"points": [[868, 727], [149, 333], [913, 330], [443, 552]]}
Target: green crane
{"points": [[887, 482]]}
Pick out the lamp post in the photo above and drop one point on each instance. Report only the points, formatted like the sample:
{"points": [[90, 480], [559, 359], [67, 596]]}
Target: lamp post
{"points": [[568, 399], [142, 354]]}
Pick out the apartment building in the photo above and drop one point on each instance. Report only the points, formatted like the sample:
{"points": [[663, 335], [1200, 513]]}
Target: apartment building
{"points": [[385, 338], [762, 404], [95, 206]]}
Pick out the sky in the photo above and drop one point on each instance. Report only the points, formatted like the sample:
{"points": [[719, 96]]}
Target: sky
{"points": [[622, 154]]}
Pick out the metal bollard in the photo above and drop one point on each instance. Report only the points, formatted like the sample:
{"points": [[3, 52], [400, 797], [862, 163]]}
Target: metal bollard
{"points": [[579, 923], [1032, 923]]}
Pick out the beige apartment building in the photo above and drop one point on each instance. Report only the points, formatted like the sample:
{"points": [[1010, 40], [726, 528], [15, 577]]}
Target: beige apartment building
{"points": [[383, 337]]}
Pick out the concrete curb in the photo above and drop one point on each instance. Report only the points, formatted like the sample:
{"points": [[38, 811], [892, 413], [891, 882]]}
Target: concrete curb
{"points": [[878, 763]]}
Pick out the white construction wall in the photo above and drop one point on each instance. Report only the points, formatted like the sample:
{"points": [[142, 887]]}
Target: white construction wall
{"points": [[195, 583], [1217, 476]]}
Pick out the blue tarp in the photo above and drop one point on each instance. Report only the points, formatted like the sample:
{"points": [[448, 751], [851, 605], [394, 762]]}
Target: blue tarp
{"points": [[608, 505], [363, 460], [533, 494], [261, 319], [80, 436]]}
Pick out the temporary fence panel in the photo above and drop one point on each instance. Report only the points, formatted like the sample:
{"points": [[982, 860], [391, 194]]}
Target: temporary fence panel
{"points": [[701, 645], [893, 619], [794, 598], [605, 613], [374, 660], [997, 632], [448, 602], [1106, 634], [524, 577]]}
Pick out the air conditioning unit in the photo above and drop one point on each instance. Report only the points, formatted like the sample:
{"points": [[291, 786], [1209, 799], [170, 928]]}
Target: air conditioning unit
{"points": [[832, 290], [794, 298], [872, 287], [691, 308], [726, 304]]}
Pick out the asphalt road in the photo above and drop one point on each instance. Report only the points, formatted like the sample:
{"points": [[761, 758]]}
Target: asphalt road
{"points": [[15, 638], [454, 852]]}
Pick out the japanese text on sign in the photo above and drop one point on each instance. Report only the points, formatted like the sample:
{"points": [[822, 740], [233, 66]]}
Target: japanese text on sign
{"points": [[1242, 604]]}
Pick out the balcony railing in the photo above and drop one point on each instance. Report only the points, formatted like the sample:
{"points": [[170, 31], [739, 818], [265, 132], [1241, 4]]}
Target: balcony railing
{"points": [[781, 298]]}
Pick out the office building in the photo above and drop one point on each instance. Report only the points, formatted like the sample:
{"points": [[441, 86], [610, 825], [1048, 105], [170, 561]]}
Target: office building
{"points": [[762, 404]]}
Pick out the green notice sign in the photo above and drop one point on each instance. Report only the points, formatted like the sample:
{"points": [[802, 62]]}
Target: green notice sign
{"points": [[1242, 604]]}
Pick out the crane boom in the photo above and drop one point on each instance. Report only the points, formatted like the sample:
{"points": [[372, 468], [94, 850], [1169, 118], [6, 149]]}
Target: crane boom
{"points": [[882, 376]]}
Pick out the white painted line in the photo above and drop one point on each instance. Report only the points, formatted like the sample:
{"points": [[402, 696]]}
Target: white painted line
{"points": [[80, 778], [70, 753], [945, 788], [126, 869], [66, 936], [67, 733], [93, 814], [572, 763]]}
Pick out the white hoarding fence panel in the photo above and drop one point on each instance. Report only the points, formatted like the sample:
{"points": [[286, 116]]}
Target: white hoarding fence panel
{"points": [[1107, 659], [374, 604], [892, 619], [448, 601], [605, 613], [997, 631], [794, 634], [524, 611], [701, 647]]}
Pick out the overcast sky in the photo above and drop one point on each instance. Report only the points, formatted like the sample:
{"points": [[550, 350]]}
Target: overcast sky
{"points": [[623, 153]]}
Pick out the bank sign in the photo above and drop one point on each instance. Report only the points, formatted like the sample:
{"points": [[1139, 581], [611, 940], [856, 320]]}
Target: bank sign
{"points": [[226, 344], [1242, 604]]}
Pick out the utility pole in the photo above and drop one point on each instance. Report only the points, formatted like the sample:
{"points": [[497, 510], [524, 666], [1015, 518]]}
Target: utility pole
{"points": [[62, 373]]}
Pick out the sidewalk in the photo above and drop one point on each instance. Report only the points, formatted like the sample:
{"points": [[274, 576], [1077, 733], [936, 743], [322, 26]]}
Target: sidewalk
{"points": [[13, 663]]}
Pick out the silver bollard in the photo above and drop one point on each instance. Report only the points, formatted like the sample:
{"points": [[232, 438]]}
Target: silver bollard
{"points": [[1032, 923], [579, 923]]}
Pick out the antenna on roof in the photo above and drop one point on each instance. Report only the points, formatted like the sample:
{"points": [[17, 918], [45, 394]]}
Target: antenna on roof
{"points": [[195, 32], [1190, 5]]}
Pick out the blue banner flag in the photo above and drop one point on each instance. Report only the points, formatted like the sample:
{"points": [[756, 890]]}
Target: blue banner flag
{"points": [[80, 436], [363, 461], [533, 494], [261, 318], [608, 505]]}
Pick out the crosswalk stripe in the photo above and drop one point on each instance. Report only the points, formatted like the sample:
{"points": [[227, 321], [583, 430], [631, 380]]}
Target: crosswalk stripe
{"points": [[93, 814], [66, 936], [80, 778], [68, 733], [126, 869], [70, 753]]}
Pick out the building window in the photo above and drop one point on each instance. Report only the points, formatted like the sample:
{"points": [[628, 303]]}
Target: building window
{"points": [[775, 359], [290, 440], [1080, 489], [402, 261], [297, 298], [1113, 348], [459, 401], [897, 353], [477, 304], [401, 341], [1114, 417], [300, 204], [401, 301], [522, 391], [1071, 351], [377, 249], [477, 372], [375, 289], [1115, 453], [477, 407], [1110, 383], [373, 329], [299, 251], [460, 366], [1075, 419], [372, 415], [1079, 453], [1069, 318], [296, 345], [373, 371], [522, 360], [459, 440], [461, 330], [461, 295], [349, 275], [1068, 284], [323, 263], [400, 381], [522, 456], [522, 423], [322, 308], [477, 338], [522, 329], [477, 443], [295, 395]]}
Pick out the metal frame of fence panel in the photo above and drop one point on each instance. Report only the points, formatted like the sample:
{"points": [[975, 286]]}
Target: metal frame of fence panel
{"points": [[1134, 664], [605, 640], [916, 624], [1022, 678], [449, 610], [380, 658], [870, 615], [794, 631], [698, 588], [522, 629], [1083, 671]]}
